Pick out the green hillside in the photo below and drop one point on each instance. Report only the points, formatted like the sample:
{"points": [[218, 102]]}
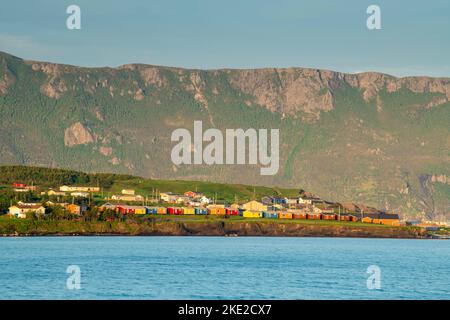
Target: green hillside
{"points": [[45, 178]]}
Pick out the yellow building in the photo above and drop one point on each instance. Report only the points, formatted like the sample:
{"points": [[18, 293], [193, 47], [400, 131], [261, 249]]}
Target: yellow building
{"points": [[140, 210], [252, 214], [254, 206], [188, 210]]}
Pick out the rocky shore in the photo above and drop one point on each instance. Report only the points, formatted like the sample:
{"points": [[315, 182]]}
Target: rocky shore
{"points": [[216, 228]]}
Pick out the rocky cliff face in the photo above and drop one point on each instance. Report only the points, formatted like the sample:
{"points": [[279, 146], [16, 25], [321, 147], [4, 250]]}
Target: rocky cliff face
{"points": [[77, 134], [368, 137], [286, 91]]}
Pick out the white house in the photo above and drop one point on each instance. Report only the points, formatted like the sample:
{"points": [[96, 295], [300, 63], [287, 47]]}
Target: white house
{"points": [[80, 194], [128, 192], [80, 189], [305, 200], [205, 200]]}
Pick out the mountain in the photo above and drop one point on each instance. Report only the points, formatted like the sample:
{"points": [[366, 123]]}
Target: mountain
{"points": [[370, 138]]}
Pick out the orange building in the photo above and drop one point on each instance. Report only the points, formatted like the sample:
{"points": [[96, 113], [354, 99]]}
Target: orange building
{"points": [[73, 209], [382, 218], [285, 215]]}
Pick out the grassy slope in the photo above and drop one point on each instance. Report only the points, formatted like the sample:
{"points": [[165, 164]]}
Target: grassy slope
{"points": [[45, 177]]}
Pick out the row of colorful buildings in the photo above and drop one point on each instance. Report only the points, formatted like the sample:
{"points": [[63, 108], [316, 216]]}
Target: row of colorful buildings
{"points": [[196, 203], [255, 209]]}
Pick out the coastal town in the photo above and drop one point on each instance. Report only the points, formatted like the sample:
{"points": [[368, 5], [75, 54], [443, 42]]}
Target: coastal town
{"points": [[77, 202]]}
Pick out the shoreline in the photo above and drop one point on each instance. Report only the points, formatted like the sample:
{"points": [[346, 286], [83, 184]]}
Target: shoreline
{"points": [[212, 229]]}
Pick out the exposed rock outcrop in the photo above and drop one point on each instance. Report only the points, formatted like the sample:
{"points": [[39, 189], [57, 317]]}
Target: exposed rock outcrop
{"points": [[77, 134]]}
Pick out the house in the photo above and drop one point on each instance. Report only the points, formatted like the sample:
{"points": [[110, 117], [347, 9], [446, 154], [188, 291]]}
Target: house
{"points": [[388, 219], [189, 210], [275, 207], [194, 203], [204, 200], [174, 211], [367, 218], [107, 206], [22, 187], [309, 200], [169, 197], [381, 218], [52, 192], [315, 214], [18, 185], [347, 217], [125, 209], [329, 216], [266, 200], [183, 199], [317, 210], [79, 189], [232, 211], [73, 209], [299, 213], [304, 200], [273, 200], [234, 206], [128, 192], [193, 195], [217, 209], [79, 194], [127, 198], [254, 206], [252, 214], [20, 210], [285, 215], [270, 214], [291, 201]]}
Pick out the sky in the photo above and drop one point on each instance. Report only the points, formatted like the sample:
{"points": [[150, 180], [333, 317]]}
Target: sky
{"points": [[414, 38]]}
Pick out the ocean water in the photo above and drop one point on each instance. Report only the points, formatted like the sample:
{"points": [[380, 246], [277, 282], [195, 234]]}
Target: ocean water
{"points": [[223, 268]]}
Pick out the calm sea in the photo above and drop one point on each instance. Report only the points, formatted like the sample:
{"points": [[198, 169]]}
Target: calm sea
{"points": [[223, 268]]}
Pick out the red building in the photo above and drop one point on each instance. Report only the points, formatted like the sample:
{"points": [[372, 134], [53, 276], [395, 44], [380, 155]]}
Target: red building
{"points": [[174, 211], [19, 185], [232, 212]]}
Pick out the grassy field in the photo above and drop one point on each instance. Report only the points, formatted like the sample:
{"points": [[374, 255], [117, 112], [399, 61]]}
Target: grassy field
{"points": [[113, 184], [228, 192]]}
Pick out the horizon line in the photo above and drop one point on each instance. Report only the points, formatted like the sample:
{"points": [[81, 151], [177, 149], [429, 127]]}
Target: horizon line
{"points": [[221, 68]]}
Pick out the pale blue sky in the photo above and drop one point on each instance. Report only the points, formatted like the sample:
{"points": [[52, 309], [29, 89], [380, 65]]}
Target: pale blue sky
{"points": [[328, 34]]}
